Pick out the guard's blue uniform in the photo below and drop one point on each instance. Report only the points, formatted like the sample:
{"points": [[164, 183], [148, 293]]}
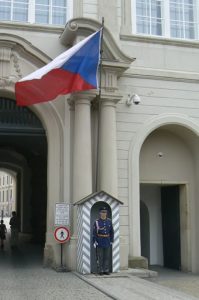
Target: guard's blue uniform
{"points": [[103, 233]]}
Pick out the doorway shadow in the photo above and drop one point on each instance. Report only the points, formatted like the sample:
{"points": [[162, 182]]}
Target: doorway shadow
{"points": [[25, 255]]}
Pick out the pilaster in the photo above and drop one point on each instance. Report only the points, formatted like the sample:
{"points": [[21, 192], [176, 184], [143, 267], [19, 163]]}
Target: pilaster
{"points": [[127, 13], [108, 179]]}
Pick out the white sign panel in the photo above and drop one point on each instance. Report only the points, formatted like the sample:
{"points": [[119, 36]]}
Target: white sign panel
{"points": [[62, 214]]}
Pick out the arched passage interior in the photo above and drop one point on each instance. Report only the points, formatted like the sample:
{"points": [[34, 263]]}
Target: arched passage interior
{"points": [[23, 150]]}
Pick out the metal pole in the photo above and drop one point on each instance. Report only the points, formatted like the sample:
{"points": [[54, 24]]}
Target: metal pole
{"points": [[99, 105], [101, 52], [61, 256]]}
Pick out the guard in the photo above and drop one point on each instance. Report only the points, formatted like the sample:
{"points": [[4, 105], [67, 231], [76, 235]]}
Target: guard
{"points": [[103, 237]]}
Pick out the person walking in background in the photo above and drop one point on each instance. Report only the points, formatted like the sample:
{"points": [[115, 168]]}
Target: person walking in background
{"points": [[14, 226], [3, 231], [103, 237]]}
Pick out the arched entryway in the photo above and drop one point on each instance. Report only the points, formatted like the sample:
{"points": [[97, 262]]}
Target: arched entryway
{"points": [[166, 165], [164, 154], [23, 151]]}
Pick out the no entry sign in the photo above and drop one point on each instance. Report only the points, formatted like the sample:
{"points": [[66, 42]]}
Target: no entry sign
{"points": [[62, 234]]}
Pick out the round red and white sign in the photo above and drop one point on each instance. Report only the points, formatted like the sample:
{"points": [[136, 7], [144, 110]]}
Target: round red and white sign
{"points": [[62, 234]]}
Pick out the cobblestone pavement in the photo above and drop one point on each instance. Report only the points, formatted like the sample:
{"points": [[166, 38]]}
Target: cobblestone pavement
{"points": [[184, 282], [22, 277], [38, 283]]}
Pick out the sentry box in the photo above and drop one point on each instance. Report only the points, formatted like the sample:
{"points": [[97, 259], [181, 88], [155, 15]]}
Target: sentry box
{"points": [[87, 213]]}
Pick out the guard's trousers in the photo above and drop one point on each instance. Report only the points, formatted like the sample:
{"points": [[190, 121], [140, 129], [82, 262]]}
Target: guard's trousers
{"points": [[104, 259]]}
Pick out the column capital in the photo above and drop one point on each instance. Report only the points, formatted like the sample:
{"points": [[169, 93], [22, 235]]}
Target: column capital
{"points": [[71, 103], [81, 96], [109, 99]]}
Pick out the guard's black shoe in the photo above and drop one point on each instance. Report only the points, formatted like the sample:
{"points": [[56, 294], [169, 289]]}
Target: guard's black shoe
{"points": [[106, 273]]}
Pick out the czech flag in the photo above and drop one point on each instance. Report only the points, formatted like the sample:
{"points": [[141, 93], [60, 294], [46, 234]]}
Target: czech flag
{"points": [[74, 70]]}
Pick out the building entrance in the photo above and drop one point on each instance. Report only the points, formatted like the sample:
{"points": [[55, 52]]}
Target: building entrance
{"points": [[23, 151], [170, 211], [160, 225]]}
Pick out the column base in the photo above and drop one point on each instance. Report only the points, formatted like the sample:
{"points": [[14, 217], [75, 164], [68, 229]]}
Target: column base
{"points": [[124, 253], [52, 254], [138, 262], [71, 254], [49, 257]]}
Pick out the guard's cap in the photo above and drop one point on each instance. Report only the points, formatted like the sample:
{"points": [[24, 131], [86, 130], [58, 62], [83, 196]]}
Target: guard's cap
{"points": [[103, 209]]}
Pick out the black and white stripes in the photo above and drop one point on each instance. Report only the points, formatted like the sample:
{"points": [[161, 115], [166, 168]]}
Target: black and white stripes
{"points": [[84, 227]]}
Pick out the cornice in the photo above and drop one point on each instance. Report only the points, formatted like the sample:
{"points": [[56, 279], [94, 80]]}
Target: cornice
{"points": [[160, 41], [32, 27], [23, 47], [168, 75], [112, 52]]}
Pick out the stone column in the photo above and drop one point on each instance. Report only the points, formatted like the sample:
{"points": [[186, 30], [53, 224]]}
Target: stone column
{"points": [[82, 158], [108, 180], [82, 164]]}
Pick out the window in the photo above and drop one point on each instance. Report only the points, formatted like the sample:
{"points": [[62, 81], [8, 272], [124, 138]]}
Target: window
{"points": [[169, 18], [55, 12], [14, 10], [149, 17], [50, 11], [182, 23]]}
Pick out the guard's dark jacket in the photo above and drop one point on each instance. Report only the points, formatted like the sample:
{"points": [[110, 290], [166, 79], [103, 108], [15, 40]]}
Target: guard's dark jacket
{"points": [[103, 233]]}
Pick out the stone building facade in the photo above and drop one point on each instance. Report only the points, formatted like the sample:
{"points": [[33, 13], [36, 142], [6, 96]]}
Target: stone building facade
{"points": [[7, 194], [145, 155]]}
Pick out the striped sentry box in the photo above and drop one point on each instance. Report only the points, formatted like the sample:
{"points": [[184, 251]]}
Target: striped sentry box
{"points": [[84, 228]]}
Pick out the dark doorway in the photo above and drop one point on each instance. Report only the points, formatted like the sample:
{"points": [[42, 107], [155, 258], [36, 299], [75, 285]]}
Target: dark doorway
{"points": [[170, 208], [23, 149], [145, 231]]}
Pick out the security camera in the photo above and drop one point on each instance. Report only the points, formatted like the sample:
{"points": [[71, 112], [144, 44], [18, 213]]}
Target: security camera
{"points": [[133, 99], [136, 99]]}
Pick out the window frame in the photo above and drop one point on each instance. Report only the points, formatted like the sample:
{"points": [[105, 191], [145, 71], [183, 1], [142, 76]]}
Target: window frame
{"points": [[149, 16], [166, 25], [32, 10]]}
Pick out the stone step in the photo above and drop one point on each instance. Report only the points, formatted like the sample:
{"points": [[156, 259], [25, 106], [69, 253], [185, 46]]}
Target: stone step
{"points": [[128, 286]]}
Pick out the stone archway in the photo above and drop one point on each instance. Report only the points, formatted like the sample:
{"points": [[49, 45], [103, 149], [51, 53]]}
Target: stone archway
{"points": [[18, 57]]}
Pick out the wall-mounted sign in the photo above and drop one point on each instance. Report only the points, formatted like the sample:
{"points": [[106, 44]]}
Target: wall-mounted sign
{"points": [[62, 214]]}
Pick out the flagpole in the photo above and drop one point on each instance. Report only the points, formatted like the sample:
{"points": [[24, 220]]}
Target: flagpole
{"points": [[101, 52], [99, 107]]}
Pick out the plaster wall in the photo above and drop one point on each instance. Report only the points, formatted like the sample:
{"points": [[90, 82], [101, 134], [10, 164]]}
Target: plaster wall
{"points": [[150, 195]]}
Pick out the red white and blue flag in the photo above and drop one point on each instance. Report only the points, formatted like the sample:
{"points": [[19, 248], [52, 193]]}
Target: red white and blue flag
{"points": [[74, 70]]}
